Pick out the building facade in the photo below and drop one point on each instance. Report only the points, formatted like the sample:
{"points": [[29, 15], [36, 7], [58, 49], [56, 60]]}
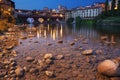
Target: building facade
{"points": [[7, 6], [89, 12]]}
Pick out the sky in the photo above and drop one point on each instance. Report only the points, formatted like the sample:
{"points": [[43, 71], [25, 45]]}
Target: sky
{"points": [[51, 4]]}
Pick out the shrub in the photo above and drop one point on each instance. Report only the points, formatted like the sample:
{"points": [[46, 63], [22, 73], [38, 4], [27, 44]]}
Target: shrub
{"points": [[70, 20]]}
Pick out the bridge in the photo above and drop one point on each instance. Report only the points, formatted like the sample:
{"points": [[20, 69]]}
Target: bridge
{"points": [[45, 15]]}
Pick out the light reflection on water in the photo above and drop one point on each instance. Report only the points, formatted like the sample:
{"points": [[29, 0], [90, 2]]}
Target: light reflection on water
{"points": [[64, 32]]}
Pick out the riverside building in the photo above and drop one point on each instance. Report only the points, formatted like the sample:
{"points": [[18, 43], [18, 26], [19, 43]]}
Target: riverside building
{"points": [[7, 6], [88, 12]]}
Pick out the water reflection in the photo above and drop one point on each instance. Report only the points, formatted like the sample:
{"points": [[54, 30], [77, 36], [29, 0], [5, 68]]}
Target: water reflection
{"points": [[53, 31], [62, 31]]}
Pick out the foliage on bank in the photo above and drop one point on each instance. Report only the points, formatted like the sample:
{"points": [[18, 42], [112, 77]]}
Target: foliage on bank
{"points": [[70, 21], [79, 21], [109, 17]]}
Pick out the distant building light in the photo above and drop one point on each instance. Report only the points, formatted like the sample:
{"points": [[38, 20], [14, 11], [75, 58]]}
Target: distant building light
{"points": [[9, 9], [37, 12], [116, 8], [61, 15], [53, 10], [19, 11]]}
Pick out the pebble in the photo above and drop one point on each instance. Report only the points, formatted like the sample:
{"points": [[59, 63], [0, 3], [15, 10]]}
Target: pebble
{"points": [[13, 63], [48, 56], [115, 78], [87, 52], [48, 61], [29, 59], [19, 72], [103, 37], [49, 44], [59, 57], [108, 68], [34, 70], [72, 43], [60, 41], [49, 73], [14, 53]]}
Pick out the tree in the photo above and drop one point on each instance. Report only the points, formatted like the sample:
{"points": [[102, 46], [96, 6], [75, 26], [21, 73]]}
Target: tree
{"points": [[70, 20], [106, 6], [118, 10], [118, 4], [113, 7], [78, 20]]}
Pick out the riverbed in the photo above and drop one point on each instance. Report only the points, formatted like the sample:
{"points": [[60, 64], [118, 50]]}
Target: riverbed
{"points": [[68, 42]]}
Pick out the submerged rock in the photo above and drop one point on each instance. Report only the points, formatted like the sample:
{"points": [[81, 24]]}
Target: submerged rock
{"points": [[49, 44], [103, 37], [87, 52], [60, 41], [72, 43], [59, 57], [109, 68], [30, 59]]}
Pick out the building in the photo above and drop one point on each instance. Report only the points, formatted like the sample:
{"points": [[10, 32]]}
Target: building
{"points": [[88, 12], [46, 9], [68, 14], [62, 8], [100, 4], [7, 6]]}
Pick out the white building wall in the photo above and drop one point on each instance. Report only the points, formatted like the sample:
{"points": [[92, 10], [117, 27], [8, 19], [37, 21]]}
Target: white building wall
{"points": [[86, 13]]}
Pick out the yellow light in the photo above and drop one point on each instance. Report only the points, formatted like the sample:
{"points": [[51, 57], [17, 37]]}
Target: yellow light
{"points": [[116, 8], [9, 9], [61, 15], [61, 31]]}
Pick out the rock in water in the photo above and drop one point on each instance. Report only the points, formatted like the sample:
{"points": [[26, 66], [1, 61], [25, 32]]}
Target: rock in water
{"points": [[103, 37], [59, 57], [108, 68], [72, 43], [19, 72], [87, 52], [30, 59], [60, 41]]}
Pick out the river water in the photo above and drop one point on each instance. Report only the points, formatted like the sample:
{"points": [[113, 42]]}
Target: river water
{"points": [[51, 33], [63, 32]]}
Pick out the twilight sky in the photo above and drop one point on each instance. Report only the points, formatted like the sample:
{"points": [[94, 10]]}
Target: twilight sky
{"points": [[40, 4]]}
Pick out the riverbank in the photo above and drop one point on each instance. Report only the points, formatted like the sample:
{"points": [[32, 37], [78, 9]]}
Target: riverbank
{"points": [[110, 21], [42, 58]]}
